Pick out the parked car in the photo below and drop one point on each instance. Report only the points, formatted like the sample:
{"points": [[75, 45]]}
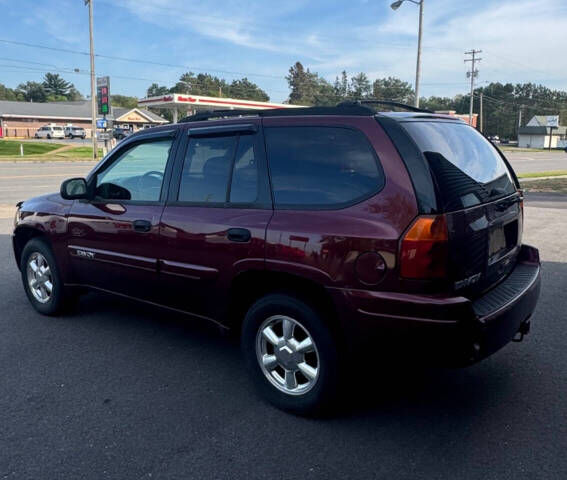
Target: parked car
{"points": [[494, 139], [50, 131], [75, 132], [315, 234], [120, 133]]}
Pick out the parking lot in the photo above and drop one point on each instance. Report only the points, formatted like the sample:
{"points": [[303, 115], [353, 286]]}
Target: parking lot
{"points": [[118, 390]]}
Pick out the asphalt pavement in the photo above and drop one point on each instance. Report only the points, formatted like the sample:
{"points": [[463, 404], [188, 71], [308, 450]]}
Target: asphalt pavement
{"points": [[531, 162], [116, 390]]}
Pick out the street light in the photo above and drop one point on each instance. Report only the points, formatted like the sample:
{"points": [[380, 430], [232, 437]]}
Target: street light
{"points": [[397, 5], [93, 98]]}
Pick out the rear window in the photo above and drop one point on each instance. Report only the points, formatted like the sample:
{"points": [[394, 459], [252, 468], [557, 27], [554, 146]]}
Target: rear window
{"points": [[321, 167], [467, 168]]}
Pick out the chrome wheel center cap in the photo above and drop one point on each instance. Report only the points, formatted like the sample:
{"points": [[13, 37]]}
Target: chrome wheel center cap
{"points": [[287, 357]]}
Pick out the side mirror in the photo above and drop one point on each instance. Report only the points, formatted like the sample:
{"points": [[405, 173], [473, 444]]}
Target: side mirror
{"points": [[74, 188]]}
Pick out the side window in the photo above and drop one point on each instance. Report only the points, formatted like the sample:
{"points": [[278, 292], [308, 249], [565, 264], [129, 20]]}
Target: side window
{"points": [[321, 166], [244, 186], [137, 174], [206, 169]]}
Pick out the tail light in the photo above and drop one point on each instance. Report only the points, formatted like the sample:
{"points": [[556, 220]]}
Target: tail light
{"points": [[424, 248]]}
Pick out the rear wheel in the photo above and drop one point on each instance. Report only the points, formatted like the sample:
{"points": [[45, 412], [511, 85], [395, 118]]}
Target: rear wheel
{"points": [[42, 281], [291, 354]]}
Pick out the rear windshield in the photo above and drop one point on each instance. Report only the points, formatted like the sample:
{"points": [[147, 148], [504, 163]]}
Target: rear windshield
{"points": [[467, 168]]}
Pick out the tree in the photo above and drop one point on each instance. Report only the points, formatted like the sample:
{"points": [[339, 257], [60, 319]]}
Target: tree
{"points": [[56, 86], [342, 87], [360, 86], [155, 90], [10, 94], [247, 90], [33, 92], [307, 88], [124, 101], [74, 94], [392, 88]]}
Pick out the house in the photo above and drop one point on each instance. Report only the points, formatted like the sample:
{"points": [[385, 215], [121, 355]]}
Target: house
{"points": [[536, 134], [22, 119]]}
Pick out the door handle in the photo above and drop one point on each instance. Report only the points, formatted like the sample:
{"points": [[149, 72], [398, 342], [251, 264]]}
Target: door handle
{"points": [[142, 225], [238, 235]]}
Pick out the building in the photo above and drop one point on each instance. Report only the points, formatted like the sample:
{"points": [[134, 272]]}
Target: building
{"points": [[536, 134], [22, 119], [462, 116]]}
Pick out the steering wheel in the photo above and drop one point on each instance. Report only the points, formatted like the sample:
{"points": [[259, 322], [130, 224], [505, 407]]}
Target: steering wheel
{"points": [[153, 174]]}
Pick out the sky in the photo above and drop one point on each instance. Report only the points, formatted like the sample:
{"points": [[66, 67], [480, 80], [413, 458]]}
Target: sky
{"points": [[521, 41]]}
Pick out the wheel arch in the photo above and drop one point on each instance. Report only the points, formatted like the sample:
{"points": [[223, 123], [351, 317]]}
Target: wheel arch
{"points": [[251, 285], [22, 235]]}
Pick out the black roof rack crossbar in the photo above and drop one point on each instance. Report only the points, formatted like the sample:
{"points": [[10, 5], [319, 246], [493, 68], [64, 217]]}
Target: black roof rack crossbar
{"points": [[371, 101], [342, 109]]}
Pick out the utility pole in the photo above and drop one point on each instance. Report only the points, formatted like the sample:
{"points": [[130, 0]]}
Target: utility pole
{"points": [[93, 96], [480, 113], [472, 74]]}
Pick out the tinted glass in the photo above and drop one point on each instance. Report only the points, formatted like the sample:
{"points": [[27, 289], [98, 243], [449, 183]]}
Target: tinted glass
{"points": [[321, 166], [467, 167], [206, 169], [137, 174], [244, 187]]}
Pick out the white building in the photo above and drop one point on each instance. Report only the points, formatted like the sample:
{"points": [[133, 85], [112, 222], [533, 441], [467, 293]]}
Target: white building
{"points": [[536, 134]]}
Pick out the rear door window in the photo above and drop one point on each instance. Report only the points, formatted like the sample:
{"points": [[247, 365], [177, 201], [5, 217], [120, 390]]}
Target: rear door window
{"points": [[467, 168], [321, 167], [222, 170]]}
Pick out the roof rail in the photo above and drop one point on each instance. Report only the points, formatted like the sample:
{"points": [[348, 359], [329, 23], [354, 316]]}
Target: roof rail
{"points": [[372, 101], [341, 109]]}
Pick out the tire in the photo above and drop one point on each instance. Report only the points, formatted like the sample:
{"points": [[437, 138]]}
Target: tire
{"points": [[309, 393], [60, 298], [49, 137]]}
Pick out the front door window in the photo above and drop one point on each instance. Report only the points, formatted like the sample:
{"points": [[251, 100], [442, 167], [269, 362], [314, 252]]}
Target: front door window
{"points": [[136, 175]]}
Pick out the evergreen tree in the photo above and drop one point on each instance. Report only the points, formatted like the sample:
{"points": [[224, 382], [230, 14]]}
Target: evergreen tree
{"points": [[56, 86], [360, 86]]}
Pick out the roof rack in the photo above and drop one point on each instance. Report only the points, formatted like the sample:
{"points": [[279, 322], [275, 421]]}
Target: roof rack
{"points": [[355, 107], [390, 103], [351, 109]]}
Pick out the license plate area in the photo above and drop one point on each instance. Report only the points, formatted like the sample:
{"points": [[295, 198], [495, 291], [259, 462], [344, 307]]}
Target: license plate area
{"points": [[503, 238]]}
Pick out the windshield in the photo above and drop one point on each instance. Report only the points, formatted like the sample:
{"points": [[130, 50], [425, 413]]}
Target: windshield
{"points": [[467, 168]]}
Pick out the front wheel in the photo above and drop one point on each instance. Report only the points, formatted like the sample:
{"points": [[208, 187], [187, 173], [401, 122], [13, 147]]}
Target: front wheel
{"points": [[42, 281], [291, 354]]}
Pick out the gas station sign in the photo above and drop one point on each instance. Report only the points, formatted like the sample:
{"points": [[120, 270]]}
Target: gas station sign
{"points": [[103, 95]]}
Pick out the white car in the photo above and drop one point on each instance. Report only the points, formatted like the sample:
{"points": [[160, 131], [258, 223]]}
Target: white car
{"points": [[49, 131], [75, 132]]}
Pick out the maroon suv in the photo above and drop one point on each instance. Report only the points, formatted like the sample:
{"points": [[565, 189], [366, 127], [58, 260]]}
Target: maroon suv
{"points": [[310, 231]]}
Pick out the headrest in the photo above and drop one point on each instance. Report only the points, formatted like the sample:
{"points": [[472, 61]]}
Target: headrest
{"points": [[216, 166]]}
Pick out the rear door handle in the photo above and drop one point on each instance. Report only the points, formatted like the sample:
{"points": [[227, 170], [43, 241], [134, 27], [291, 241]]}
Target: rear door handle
{"points": [[142, 225], [238, 235]]}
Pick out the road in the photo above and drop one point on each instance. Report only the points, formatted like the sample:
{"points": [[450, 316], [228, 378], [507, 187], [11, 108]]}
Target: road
{"points": [[116, 390], [528, 162]]}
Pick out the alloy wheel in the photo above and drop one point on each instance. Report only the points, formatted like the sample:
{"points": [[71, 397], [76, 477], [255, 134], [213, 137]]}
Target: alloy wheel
{"points": [[287, 355], [40, 280]]}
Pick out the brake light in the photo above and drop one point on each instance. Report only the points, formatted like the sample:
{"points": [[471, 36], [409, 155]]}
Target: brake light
{"points": [[424, 248]]}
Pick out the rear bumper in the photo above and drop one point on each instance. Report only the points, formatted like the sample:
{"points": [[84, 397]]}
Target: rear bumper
{"points": [[450, 330]]}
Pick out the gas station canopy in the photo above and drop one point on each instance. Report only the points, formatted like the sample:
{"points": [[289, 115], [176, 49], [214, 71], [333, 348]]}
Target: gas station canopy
{"points": [[193, 102]]}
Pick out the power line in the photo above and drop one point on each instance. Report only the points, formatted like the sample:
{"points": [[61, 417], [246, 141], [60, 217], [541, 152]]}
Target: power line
{"points": [[137, 60]]}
